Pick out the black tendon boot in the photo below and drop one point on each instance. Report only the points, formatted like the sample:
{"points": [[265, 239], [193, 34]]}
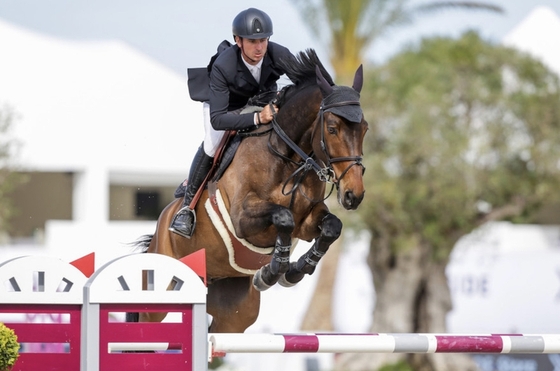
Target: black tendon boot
{"points": [[184, 221]]}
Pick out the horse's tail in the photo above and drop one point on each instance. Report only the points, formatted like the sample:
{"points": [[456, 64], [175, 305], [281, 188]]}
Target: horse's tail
{"points": [[142, 243]]}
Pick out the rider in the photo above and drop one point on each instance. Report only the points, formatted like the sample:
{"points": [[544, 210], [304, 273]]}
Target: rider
{"points": [[246, 69]]}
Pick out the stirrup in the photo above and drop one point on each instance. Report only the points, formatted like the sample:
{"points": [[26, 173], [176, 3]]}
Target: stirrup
{"points": [[183, 211]]}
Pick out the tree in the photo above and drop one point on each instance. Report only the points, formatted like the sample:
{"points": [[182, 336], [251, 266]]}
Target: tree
{"points": [[466, 132], [352, 27], [8, 178], [348, 28]]}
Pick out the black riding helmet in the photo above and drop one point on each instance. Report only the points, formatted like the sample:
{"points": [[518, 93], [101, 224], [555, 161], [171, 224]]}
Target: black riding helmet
{"points": [[252, 24]]}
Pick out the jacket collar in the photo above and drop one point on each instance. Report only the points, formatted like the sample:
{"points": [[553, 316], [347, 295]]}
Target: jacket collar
{"points": [[266, 69]]}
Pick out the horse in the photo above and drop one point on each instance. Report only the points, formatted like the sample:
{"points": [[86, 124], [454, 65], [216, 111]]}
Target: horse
{"points": [[272, 194]]}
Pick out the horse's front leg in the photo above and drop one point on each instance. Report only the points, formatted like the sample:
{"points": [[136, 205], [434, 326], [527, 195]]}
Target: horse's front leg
{"points": [[256, 218], [331, 228], [269, 274]]}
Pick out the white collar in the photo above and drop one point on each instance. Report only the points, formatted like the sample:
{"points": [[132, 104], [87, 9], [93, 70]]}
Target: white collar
{"points": [[254, 69]]}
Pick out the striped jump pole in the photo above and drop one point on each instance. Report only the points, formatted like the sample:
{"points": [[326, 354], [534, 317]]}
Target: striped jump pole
{"points": [[222, 344]]}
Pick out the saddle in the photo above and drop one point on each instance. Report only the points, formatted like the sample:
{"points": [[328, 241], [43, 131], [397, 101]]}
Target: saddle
{"points": [[223, 157]]}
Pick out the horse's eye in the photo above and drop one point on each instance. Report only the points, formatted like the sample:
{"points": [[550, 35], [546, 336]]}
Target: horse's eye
{"points": [[331, 130]]}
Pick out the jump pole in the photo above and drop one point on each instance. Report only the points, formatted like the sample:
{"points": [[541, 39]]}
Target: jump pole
{"points": [[222, 344]]}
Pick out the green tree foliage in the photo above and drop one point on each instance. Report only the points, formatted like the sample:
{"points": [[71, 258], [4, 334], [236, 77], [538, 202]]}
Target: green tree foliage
{"points": [[463, 132], [9, 179], [348, 28], [466, 132]]}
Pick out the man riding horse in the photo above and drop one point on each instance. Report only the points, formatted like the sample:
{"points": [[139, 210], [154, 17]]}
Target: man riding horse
{"points": [[250, 67]]}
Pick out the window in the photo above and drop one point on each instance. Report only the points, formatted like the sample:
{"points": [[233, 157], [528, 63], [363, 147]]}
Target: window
{"points": [[147, 205]]}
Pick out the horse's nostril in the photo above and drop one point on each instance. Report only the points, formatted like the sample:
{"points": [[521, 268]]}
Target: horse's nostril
{"points": [[349, 198], [351, 201]]}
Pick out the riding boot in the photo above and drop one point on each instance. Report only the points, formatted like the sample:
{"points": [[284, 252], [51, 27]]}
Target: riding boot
{"points": [[184, 221]]}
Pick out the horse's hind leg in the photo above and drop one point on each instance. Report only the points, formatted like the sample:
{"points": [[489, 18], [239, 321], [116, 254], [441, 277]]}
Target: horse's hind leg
{"points": [[233, 303], [330, 231]]}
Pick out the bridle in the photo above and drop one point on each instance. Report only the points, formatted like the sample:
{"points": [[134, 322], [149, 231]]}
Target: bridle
{"points": [[355, 160], [326, 173]]}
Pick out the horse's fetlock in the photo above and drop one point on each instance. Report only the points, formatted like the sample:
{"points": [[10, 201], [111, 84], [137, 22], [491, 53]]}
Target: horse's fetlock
{"points": [[291, 278], [268, 276], [306, 264], [259, 282]]}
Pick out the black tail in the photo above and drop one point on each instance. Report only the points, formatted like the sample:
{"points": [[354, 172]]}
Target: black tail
{"points": [[141, 243]]}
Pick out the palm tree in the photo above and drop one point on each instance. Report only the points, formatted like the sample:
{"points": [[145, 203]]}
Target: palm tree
{"points": [[354, 25]]}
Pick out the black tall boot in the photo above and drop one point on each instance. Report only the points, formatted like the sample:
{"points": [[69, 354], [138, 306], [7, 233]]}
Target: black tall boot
{"points": [[184, 221]]}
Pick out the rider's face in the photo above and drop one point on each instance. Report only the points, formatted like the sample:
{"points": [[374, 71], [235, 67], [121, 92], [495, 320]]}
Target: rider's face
{"points": [[253, 49]]}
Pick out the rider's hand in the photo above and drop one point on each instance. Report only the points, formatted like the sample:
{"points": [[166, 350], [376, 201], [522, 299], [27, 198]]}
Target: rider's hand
{"points": [[266, 115]]}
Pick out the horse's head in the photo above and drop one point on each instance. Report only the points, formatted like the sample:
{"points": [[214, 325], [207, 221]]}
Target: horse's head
{"points": [[342, 130]]}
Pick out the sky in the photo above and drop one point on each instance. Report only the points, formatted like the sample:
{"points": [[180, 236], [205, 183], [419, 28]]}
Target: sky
{"points": [[185, 33]]}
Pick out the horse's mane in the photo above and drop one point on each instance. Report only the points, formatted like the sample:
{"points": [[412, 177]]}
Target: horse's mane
{"points": [[301, 72]]}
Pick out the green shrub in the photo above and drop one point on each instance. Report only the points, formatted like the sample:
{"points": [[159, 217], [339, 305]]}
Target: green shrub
{"points": [[9, 348], [399, 366]]}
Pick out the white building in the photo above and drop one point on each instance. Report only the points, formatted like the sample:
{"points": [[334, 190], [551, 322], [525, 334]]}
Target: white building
{"points": [[106, 135]]}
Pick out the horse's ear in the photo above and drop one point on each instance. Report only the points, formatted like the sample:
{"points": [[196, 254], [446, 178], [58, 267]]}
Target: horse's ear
{"points": [[358, 79], [326, 88]]}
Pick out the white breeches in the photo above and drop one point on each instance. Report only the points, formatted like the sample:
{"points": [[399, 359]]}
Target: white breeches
{"points": [[212, 137]]}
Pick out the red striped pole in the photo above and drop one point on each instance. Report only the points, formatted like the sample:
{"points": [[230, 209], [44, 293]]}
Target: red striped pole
{"points": [[384, 343]]}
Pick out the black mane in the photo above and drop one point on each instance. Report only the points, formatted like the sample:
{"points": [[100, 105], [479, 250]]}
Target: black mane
{"points": [[301, 72]]}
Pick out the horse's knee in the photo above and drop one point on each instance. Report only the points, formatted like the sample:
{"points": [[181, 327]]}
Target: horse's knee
{"points": [[331, 227], [283, 220]]}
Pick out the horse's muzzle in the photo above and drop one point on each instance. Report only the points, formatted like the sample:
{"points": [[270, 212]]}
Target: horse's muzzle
{"points": [[349, 200]]}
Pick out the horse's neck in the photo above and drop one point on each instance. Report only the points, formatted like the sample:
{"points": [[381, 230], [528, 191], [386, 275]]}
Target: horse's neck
{"points": [[298, 118]]}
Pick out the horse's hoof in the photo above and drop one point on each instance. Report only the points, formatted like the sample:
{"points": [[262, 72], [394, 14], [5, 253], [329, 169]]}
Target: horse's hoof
{"points": [[291, 277], [259, 283], [285, 283]]}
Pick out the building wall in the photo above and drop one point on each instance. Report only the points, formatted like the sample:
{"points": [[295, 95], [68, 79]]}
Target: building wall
{"points": [[48, 196], [44, 196], [127, 202]]}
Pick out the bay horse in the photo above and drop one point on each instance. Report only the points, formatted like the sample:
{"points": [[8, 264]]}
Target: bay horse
{"points": [[272, 194]]}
